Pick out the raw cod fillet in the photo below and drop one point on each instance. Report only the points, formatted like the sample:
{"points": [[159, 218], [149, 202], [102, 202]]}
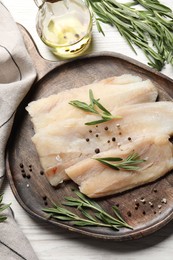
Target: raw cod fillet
{"points": [[60, 128], [70, 138], [112, 92], [97, 180]]}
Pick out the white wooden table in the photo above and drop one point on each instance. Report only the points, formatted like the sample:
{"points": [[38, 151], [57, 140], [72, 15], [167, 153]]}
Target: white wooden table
{"points": [[52, 243]]}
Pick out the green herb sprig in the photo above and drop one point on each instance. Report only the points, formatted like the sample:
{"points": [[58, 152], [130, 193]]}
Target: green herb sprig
{"points": [[150, 29], [2, 208], [130, 163], [99, 217], [94, 107]]}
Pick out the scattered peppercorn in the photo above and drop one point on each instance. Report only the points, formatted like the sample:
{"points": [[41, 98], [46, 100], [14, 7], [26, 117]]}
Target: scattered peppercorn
{"points": [[136, 207], [42, 172], [143, 201], [21, 165], [24, 175], [129, 214], [90, 131], [45, 197], [97, 150], [113, 139], [106, 128], [87, 139], [151, 204], [129, 138], [164, 200], [137, 204], [97, 135]]}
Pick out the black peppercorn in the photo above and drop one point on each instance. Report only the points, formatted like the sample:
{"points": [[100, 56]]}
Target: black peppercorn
{"points": [[97, 150]]}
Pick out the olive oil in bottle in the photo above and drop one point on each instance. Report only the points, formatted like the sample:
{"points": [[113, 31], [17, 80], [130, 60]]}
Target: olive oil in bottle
{"points": [[65, 26]]}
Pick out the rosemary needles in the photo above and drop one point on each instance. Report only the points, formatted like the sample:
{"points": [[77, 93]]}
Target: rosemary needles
{"points": [[99, 216], [130, 163], [94, 107], [2, 208], [149, 27]]}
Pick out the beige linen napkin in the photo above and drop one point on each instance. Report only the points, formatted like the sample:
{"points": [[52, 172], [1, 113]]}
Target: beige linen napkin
{"points": [[16, 77], [13, 243], [17, 74]]}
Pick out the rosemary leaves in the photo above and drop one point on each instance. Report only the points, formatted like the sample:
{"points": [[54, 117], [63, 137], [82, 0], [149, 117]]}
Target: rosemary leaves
{"points": [[2, 208], [94, 107], [99, 216], [130, 163], [149, 28]]}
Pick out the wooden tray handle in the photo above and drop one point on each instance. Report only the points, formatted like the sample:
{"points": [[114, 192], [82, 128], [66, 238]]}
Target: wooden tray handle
{"points": [[42, 65]]}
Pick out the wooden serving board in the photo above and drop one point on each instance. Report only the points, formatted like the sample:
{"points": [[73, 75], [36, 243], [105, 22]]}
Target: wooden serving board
{"points": [[143, 207]]}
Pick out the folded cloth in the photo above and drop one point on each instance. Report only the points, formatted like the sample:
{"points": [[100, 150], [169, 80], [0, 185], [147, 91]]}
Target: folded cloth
{"points": [[17, 74], [16, 77], [13, 243]]}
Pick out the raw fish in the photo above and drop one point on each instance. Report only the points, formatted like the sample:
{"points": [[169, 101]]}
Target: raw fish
{"points": [[74, 137], [112, 92], [61, 136], [97, 180], [60, 128]]}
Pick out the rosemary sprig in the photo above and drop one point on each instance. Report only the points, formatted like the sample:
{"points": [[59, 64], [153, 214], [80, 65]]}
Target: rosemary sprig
{"points": [[99, 217], [2, 208], [150, 29], [94, 107], [130, 163]]}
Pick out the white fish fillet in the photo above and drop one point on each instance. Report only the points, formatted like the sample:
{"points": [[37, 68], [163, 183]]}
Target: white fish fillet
{"points": [[60, 129], [112, 92], [137, 121], [97, 180], [41, 106]]}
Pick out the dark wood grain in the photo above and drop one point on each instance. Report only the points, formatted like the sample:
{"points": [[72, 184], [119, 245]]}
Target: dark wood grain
{"points": [[24, 172]]}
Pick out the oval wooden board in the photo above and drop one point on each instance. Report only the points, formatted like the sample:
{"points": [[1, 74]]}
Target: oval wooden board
{"points": [[54, 77]]}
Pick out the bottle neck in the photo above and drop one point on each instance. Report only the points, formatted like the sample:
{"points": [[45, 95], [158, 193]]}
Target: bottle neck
{"points": [[39, 3]]}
